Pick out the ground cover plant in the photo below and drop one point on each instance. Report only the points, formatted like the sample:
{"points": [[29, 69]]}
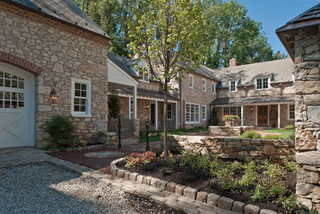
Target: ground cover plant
{"points": [[268, 185]]}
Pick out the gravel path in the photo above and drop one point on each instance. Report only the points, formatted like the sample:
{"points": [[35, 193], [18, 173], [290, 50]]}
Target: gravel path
{"points": [[46, 188]]}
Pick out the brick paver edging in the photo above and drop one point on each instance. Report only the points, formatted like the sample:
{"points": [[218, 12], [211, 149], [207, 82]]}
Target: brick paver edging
{"points": [[80, 148], [188, 192]]}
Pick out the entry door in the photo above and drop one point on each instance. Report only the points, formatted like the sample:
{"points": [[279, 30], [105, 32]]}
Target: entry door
{"points": [[16, 107], [153, 115], [262, 115]]}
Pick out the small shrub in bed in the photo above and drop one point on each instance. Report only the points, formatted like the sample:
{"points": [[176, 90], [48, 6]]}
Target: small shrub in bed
{"points": [[194, 161], [290, 166], [271, 137], [135, 159], [289, 127], [250, 134]]}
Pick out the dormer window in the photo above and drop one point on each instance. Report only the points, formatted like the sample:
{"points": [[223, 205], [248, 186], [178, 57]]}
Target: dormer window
{"points": [[204, 85], [144, 77], [262, 83], [233, 86]]}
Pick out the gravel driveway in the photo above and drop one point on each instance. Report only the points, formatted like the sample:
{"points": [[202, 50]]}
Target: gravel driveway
{"points": [[46, 188]]}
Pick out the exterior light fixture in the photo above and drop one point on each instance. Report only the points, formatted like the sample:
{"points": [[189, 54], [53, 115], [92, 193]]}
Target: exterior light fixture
{"points": [[53, 95], [251, 108], [147, 106]]}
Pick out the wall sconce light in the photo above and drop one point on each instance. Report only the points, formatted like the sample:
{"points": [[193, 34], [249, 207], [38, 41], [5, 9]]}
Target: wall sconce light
{"points": [[251, 108], [147, 106], [53, 95]]}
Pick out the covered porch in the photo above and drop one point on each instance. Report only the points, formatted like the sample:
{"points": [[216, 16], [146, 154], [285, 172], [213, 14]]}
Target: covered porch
{"points": [[276, 112]]}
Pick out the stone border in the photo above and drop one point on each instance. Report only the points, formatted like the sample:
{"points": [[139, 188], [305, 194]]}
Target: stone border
{"points": [[80, 148], [188, 192]]}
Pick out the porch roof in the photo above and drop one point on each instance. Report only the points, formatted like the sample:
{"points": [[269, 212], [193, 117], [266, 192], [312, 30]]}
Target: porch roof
{"points": [[254, 100], [146, 93]]}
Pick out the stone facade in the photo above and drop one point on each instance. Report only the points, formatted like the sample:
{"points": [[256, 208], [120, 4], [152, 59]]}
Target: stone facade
{"points": [[229, 130], [237, 148], [307, 61], [196, 95], [62, 52]]}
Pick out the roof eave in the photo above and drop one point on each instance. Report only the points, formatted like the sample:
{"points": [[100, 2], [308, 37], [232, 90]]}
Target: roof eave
{"points": [[57, 19]]}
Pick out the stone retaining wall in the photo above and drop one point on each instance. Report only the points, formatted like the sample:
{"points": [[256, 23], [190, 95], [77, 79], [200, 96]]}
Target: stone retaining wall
{"points": [[237, 148], [229, 130]]}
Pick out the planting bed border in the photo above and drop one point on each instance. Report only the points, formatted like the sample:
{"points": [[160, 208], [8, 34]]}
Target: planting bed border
{"points": [[188, 192]]}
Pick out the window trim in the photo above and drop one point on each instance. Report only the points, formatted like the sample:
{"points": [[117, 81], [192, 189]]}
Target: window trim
{"points": [[213, 87], [88, 110], [190, 76], [289, 112], [143, 80], [256, 83], [205, 111], [231, 106], [235, 85], [204, 83], [185, 114]]}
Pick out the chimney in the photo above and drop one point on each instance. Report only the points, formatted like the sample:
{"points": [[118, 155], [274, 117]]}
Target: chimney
{"points": [[232, 62]]}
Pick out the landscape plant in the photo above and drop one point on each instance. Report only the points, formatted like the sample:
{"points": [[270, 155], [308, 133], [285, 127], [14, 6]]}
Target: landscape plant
{"points": [[135, 158], [61, 130], [229, 117], [250, 134]]}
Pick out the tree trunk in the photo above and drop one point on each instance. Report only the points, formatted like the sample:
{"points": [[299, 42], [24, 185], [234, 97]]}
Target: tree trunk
{"points": [[165, 119]]}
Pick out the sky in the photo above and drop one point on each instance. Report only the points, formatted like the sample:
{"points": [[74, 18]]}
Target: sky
{"points": [[273, 14]]}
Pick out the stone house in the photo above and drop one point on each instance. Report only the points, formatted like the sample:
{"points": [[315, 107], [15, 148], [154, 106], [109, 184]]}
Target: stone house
{"points": [[301, 37], [261, 94], [47, 47]]}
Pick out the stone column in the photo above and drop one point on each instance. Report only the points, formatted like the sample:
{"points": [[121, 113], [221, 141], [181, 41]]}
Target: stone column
{"points": [[307, 116]]}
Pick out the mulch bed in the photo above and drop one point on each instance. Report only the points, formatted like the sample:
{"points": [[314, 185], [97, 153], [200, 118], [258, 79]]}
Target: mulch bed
{"points": [[178, 175]]}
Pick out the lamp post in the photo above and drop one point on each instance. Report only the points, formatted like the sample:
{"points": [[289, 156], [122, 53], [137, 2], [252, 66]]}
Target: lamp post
{"points": [[147, 128]]}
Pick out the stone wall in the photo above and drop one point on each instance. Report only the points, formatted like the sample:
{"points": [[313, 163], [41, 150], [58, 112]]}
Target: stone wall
{"points": [[307, 61], [229, 130], [237, 148], [63, 52], [195, 95]]}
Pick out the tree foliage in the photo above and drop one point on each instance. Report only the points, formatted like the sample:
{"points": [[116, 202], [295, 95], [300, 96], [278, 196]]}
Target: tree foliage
{"points": [[114, 105], [167, 35]]}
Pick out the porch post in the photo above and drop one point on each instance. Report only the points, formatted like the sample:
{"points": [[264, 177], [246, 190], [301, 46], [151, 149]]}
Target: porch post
{"points": [[156, 115], [242, 115], [176, 115], [129, 107], [135, 102], [278, 116], [256, 115]]}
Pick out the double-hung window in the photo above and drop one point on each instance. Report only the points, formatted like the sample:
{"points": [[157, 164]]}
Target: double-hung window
{"points": [[234, 110], [145, 77], [291, 112], [169, 111], [190, 81], [213, 89], [262, 83], [81, 97], [204, 112], [192, 113], [204, 85]]}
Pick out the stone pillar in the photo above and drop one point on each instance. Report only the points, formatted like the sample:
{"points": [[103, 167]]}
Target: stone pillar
{"points": [[307, 116]]}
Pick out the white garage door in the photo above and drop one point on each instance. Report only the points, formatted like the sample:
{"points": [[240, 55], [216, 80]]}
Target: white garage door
{"points": [[16, 107]]}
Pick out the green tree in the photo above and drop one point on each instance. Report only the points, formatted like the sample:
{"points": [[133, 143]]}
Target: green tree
{"points": [[114, 105], [232, 33], [167, 35]]}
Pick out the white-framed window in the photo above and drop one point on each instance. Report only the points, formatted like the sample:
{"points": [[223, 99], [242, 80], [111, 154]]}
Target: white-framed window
{"points": [[204, 112], [204, 85], [234, 110], [192, 113], [169, 111], [262, 83], [190, 81], [144, 77], [81, 98], [293, 80], [233, 86], [213, 89], [291, 112]]}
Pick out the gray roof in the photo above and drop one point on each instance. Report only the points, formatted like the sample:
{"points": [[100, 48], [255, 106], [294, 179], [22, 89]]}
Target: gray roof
{"points": [[122, 63], [64, 10], [245, 75], [253, 100]]}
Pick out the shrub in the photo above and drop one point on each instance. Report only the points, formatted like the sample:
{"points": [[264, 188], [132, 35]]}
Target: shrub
{"points": [[288, 137], [195, 161], [61, 131], [291, 166], [275, 171], [214, 117], [250, 134], [289, 127], [271, 137], [170, 161], [135, 159], [114, 105]]}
